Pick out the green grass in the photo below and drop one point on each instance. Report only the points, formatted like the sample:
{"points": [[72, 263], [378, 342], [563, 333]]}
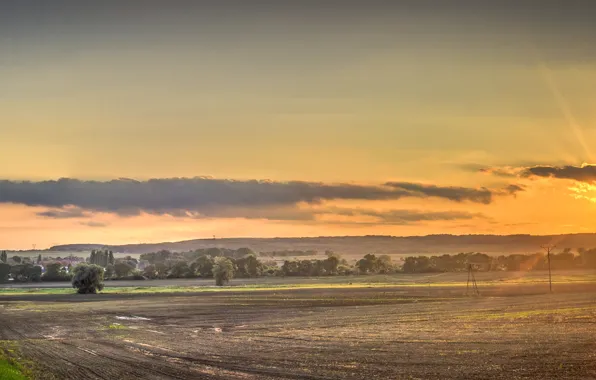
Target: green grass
{"points": [[10, 372], [186, 289], [117, 326], [243, 288], [332, 282], [12, 365]]}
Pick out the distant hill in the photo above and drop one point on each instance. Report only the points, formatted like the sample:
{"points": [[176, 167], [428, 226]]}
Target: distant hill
{"points": [[360, 245]]}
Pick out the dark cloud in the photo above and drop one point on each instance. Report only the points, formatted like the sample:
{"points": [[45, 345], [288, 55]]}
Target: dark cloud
{"points": [[207, 197], [125, 196], [181, 195], [456, 194], [512, 189], [584, 173]]}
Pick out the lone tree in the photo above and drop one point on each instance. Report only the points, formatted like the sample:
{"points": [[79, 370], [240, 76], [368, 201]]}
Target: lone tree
{"points": [[4, 257], [88, 278], [223, 270]]}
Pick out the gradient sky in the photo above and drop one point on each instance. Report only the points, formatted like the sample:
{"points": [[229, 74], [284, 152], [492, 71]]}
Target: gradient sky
{"points": [[335, 99]]}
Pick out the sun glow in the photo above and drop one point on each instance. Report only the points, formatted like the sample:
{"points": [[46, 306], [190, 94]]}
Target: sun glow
{"points": [[585, 191]]}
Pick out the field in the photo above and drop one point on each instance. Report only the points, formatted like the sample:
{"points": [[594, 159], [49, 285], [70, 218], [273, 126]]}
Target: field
{"points": [[365, 330], [431, 280]]}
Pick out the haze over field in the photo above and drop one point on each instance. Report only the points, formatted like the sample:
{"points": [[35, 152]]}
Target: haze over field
{"points": [[361, 245], [127, 123]]}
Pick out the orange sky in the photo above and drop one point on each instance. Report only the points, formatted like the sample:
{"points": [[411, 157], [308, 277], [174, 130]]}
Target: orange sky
{"points": [[358, 96]]}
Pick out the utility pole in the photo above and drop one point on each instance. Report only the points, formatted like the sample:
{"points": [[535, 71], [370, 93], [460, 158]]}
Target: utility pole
{"points": [[472, 281], [548, 249]]}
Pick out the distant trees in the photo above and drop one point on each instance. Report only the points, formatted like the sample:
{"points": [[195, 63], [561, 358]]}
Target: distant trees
{"points": [[160, 256], [448, 263], [223, 270], [26, 272], [88, 278], [373, 264], [225, 264], [110, 271], [203, 266], [332, 265], [122, 269], [101, 257], [4, 272], [56, 272], [587, 258], [181, 270], [288, 253], [249, 266], [565, 260]]}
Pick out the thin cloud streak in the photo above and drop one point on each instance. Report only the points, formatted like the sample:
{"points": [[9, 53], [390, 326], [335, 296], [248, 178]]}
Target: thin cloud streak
{"points": [[454, 193]]}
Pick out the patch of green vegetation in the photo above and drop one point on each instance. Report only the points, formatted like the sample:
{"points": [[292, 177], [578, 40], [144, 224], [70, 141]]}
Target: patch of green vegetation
{"points": [[186, 289], [117, 326], [11, 363], [418, 281], [8, 371]]}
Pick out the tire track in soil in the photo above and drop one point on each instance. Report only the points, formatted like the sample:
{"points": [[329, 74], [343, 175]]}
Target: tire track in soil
{"points": [[224, 364]]}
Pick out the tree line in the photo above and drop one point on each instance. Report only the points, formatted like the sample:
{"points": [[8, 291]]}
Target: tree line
{"points": [[224, 264], [565, 260]]}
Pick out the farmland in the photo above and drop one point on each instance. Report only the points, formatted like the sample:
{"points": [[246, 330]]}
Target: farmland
{"points": [[365, 330]]}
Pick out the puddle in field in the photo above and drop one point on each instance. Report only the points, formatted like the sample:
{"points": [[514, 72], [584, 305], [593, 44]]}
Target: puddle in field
{"points": [[133, 318], [56, 333]]}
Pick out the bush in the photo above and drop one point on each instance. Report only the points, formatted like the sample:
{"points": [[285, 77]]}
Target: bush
{"points": [[88, 278], [223, 270]]}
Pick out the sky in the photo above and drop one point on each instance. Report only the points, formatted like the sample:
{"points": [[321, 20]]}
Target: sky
{"points": [[128, 122]]}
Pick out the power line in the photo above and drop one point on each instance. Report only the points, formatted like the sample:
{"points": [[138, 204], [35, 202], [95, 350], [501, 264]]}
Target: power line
{"points": [[548, 249]]}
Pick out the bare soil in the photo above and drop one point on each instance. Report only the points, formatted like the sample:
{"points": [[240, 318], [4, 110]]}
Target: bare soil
{"points": [[362, 333]]}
